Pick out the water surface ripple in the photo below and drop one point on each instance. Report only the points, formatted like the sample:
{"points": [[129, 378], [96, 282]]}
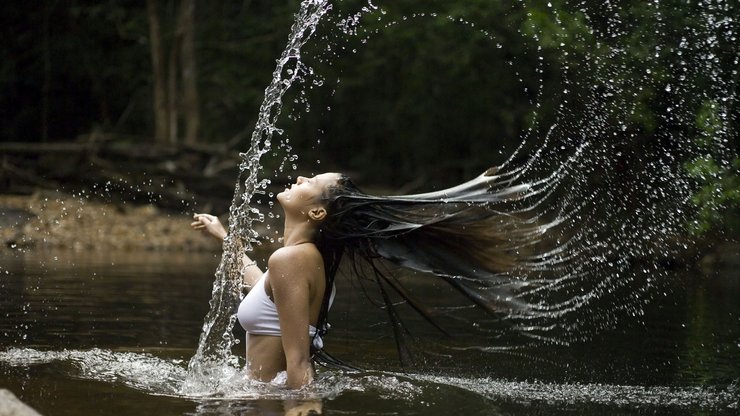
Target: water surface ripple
{"points": [[159, 376]]}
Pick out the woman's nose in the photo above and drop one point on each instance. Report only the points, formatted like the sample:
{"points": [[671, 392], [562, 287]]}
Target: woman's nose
{"points": [[300, 180]]}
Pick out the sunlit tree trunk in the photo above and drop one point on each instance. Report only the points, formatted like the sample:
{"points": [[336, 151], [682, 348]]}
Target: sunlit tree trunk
{"points": [[189, 73], [161, 130]]}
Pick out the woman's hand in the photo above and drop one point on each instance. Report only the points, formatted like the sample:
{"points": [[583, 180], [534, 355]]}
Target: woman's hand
{"points": [[210, 224]]}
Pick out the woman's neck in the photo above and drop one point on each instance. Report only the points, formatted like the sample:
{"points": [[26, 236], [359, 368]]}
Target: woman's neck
{"points": [[298, 232]]}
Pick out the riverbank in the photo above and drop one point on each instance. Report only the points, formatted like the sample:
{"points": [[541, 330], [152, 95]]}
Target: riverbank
{"points": [[55, 220]]}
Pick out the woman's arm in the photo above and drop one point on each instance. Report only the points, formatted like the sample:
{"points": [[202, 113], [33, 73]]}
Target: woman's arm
{"points": [[290, 274], [210, 224]]}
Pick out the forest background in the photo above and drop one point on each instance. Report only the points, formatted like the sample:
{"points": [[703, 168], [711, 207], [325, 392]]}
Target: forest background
{"points": [[162, 95]]}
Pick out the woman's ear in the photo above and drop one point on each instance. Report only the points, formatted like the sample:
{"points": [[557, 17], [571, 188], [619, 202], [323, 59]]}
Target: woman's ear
{"points": [[317, 214]]}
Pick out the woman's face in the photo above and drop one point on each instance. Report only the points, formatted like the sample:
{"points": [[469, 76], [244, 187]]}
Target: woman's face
{"points": [[306, 192]]}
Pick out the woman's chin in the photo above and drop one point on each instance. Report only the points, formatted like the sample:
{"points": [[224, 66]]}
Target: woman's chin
{"points": [[283, 196]]}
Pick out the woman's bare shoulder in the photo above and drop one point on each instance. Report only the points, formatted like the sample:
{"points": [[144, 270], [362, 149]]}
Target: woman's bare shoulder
{"points": [[295, 257]]}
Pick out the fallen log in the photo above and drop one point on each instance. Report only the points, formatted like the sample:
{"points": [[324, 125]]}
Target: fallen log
{"points": [[170, 176]]}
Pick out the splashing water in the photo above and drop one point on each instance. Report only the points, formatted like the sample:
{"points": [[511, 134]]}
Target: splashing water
{"points": [[163, 377], [612, 202], [618, 229], [611, 207], [213, 361]]}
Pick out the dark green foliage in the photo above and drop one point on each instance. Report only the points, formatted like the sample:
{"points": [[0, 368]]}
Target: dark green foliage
{"points": [[718, 198], [95, 63], [421, 104]]}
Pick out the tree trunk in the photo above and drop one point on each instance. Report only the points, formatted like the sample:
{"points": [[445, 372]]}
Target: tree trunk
{"points": [[172, 93], [161, 130], [189, 72], [46, 86], [175, 81]]}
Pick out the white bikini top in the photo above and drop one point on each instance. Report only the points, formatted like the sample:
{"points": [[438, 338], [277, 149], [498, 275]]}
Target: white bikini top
{"points": [[258, 314]]}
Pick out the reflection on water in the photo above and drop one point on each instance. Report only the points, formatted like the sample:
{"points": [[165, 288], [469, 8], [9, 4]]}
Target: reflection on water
{"points": [[104, 299], [121, 327]]}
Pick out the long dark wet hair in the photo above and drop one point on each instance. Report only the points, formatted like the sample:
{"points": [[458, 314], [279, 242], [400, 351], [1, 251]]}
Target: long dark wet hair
{"points": [[476, 236]]}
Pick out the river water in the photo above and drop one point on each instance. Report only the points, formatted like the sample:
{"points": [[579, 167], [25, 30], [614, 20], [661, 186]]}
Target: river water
{"points": [[112, 333]]}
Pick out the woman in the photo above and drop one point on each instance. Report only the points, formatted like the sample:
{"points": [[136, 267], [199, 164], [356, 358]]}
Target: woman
{"points": [[281, 311], [466, 235]]}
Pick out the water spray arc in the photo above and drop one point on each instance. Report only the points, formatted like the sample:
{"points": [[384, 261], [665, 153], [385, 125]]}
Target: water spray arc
{"points": [[213, 360]]}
